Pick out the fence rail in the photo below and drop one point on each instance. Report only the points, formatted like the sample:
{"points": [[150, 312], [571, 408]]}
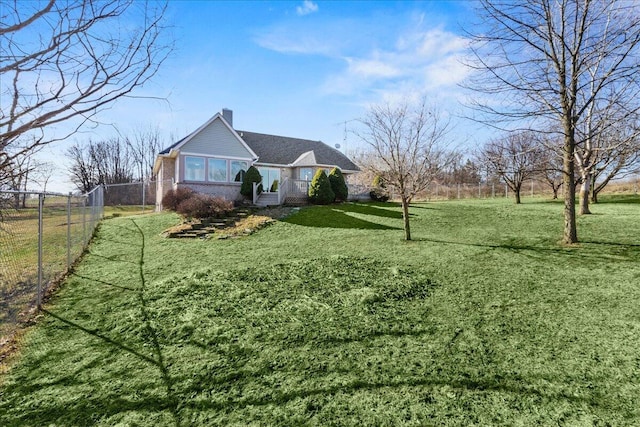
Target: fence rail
{"points": [[41, 235]]}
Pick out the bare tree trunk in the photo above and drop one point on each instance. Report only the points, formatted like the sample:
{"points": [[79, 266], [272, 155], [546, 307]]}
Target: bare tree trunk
{"points": [[405, 218], [594, 190], [570, 234], [517, 193], [585, 189]]}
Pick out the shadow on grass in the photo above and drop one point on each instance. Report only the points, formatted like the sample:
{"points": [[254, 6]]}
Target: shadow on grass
{"points": [[449, 375], [547, 252], [618, 198], [84, 411], [338, 216], [102, 282]]}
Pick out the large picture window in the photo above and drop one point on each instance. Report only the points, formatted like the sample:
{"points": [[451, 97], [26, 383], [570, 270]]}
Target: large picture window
{"points": [[306, 174], [269, 176], [194, 168], [217, 170], [238, 169]]}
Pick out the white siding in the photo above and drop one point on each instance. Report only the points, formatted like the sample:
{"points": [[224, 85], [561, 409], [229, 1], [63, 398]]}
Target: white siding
{"points": [[216, 140]]}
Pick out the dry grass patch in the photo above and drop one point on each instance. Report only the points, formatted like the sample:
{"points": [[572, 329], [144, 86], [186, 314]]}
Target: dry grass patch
{"points": [[245, 226]]}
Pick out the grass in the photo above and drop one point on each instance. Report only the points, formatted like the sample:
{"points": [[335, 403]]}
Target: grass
{"points": [[329, 318], [19, 252]]}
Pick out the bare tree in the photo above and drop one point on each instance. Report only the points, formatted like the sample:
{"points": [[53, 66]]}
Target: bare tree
{"points": [[100, 163], [144, 145], [551, 170], [610, 147], [515, 158], [82, 170], [19, 174], [64, 62], [620, 161], [43, 173], [551, 60], [407, 146], [114, 161]]}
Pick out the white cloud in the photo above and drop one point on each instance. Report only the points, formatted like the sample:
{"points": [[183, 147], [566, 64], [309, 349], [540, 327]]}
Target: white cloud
{"points": [[306, 8], [302, 37], [376, 57], [419, 60], [371, 68], [307, 44]]}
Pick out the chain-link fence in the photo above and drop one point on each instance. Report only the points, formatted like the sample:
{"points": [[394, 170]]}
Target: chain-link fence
{"points": [[530, 188], [41, 235], [142, 194], [437, 191]]}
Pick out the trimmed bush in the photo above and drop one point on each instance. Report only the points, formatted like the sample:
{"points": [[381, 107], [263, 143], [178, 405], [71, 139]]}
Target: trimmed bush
{"points": [[173, 198], [204, 206], [274, 186], [379, 192], [338, 185], [320, 191], [252, 175]]}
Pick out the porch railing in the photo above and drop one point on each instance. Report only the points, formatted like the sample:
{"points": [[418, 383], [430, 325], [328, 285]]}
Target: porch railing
{"points": [[283, 190], [298, 186], [255, 191]]}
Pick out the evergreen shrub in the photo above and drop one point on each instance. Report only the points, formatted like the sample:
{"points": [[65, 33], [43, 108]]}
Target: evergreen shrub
{"points": [[252, 175], [320, 191], [338, 185], [379, 191]]}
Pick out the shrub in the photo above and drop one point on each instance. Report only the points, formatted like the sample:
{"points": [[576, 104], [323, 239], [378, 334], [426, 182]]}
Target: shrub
{"points": [[252, 175], [338, 185], [320, 191], [274, 186], [173, 198], [204, 206], [379, 192]]}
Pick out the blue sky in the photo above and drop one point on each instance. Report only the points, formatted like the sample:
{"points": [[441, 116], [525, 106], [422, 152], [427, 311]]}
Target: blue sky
{"points": [[297, 68]]}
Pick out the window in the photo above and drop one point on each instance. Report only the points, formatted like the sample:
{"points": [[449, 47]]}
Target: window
{"points": [[306, 174], [238, 169], [269, 176], [217, 170], [194, 168]]}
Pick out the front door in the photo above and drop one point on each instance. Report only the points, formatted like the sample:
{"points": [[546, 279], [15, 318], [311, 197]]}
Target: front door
{"points": [[269, 177]]}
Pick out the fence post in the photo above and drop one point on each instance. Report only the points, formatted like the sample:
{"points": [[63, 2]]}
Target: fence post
{"points": [[144, 193], [506, 191], [84, 222], [40, 231], [458, 191], [69, 231], [479, 188], [531, 188], [493, 190]]}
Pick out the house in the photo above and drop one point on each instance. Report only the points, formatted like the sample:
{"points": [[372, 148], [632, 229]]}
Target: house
{"points": [[214, 157]]}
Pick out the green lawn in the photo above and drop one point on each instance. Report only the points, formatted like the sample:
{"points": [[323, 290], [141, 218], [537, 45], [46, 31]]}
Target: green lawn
{"points": [[19, 251], [330, 318]]}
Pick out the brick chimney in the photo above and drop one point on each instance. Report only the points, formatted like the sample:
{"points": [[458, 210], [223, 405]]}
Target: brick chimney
{"points": [[227, 114]]}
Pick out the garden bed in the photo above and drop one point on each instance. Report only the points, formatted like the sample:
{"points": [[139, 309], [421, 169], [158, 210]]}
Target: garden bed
{"points": [[241, 222]]}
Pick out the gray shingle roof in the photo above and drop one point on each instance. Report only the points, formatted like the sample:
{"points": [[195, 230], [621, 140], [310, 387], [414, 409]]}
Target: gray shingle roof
{"points": [[175, 144], [282, 150]]}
